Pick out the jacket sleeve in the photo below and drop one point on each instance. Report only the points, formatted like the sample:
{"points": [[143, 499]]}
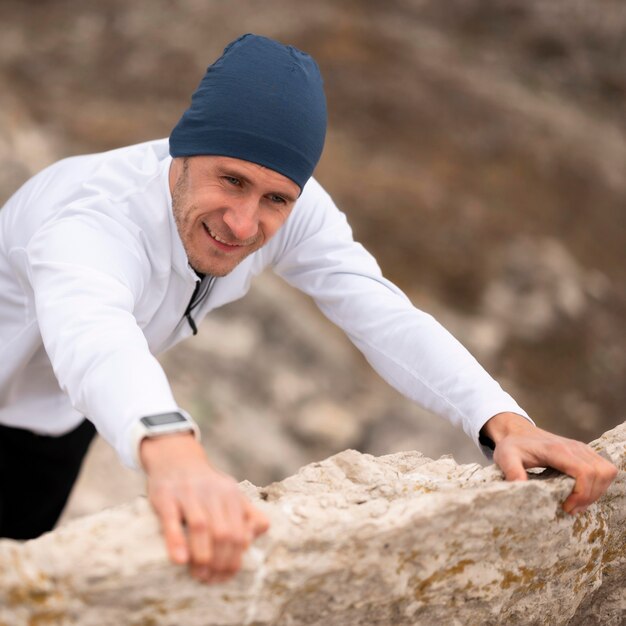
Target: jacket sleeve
{"points": [[87, 273], [406, 346]]}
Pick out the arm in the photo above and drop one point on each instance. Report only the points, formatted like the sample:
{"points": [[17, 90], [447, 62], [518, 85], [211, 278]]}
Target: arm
{"points": [[406, 346], [87, 274], [417, 356]]}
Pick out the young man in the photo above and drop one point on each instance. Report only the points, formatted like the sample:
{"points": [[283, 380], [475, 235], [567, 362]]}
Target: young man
{"points": [[108, 259]]}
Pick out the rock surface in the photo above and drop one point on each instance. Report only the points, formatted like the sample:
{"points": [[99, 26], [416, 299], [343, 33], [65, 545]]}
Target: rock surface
{"points": [[355, 539], [466, 138]]}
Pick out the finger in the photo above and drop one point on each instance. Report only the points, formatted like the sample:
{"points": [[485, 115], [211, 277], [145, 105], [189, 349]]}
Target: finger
{"points": [[236, 517], [596, 483], [601, 473], [561, 454], [511, 464], [234, 541], [225, 559], [236, 514], [610, 472], [605, 473], [170, 517], [582, 473], [257, 521], [579, 498], [200, 540], [581, 463]]}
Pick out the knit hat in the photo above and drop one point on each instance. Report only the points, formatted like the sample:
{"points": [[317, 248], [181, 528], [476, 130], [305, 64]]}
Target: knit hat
{"points": [[261, 101]]}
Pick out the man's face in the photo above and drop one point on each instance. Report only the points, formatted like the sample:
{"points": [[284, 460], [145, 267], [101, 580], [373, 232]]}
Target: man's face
{"points": [[227, 208]]}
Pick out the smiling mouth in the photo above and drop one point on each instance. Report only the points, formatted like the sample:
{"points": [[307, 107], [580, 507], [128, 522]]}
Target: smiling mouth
{"points": [[219, 240]]}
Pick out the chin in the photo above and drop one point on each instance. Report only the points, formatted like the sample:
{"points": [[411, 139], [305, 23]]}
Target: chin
{"points": [[216, 265], [212, 268], [218, 273]]}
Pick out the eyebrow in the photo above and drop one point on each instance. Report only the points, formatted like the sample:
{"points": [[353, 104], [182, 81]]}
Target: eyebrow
{"points": [[229, 171]]}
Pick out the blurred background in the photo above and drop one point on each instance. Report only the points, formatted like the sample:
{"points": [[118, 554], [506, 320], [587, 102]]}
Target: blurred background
{"points": [[478, 148]]}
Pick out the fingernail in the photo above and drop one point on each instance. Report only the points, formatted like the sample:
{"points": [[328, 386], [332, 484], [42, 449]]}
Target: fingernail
{"points": [[579, 509]]}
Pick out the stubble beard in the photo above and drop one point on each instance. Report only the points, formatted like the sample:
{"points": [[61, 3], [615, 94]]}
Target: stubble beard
{"points": [[185, 227]]}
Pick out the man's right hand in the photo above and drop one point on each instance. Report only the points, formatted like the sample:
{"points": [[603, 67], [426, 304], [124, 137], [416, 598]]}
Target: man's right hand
{"points": [[185, 490]]}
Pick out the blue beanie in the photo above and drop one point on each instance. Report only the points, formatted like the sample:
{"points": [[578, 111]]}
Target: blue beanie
{"points": [[260, 101]]}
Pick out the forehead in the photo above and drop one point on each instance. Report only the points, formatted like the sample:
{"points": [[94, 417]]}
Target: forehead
{"points": [[253, 172]]}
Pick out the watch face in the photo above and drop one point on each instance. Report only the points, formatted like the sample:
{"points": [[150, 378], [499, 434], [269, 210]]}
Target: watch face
{"points": [[163, 418]]}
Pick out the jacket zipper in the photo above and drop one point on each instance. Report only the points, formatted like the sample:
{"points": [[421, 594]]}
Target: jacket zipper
{"points": [[205, 284]]}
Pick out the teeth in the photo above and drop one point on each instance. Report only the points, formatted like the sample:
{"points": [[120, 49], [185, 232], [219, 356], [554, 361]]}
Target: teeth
{"points": [[218, 238]]}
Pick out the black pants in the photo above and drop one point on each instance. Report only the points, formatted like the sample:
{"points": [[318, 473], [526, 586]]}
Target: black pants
{"points": [[37, 474]]}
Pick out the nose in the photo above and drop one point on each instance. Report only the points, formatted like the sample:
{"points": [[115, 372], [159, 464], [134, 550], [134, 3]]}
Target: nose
{"points": [[242, 218]]}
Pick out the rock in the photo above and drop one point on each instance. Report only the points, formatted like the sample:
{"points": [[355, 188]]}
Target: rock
{"points": [[355, 539]]}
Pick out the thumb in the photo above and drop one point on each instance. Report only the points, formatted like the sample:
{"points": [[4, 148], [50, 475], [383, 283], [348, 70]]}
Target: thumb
{"points": [[512, 466]]}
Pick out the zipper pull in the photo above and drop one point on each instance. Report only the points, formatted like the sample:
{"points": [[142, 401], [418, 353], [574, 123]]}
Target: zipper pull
{"points": [[194, 328], [187, 313]]}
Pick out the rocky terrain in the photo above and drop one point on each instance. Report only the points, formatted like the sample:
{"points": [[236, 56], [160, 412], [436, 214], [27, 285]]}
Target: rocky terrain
{"points": [[478, 149], [354, 540]]}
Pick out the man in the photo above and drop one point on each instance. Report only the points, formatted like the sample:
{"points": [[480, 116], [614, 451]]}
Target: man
{"points": [[108, 259]]}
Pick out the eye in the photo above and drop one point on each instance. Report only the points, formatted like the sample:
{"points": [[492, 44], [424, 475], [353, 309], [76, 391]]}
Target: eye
{"points": [[276, 199], [232, 180]]}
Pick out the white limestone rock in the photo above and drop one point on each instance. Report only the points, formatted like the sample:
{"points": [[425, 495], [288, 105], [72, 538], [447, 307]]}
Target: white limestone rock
{"points": [[355, 539]]}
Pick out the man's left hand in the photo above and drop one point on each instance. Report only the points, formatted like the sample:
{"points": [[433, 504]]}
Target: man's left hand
{"points": [[521, 445]]}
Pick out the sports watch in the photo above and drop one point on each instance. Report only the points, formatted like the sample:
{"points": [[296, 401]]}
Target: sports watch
{"points": [[161, 424]]}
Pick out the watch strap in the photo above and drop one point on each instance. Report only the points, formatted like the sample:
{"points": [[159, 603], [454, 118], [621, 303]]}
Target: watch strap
{"points": [[159, 425]]}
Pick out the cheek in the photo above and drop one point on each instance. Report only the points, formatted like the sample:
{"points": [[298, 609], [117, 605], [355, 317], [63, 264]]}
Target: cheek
{"points": [[209, 195], [188, 220], [198, 212], [274, 221]]}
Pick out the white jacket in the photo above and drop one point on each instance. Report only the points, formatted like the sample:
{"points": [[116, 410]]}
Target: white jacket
{"points": [[94, 281]]}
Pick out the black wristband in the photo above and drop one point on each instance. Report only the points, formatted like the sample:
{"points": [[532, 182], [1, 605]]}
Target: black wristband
{"points": [[483, 440]]}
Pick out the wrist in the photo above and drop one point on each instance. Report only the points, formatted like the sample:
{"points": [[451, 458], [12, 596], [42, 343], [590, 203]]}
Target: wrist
{"points": [[502, 425], [166, 450]]}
